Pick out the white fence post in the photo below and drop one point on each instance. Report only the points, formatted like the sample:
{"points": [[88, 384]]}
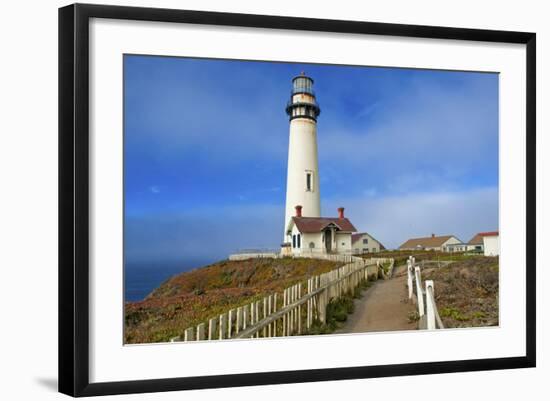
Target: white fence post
{"points": [[257, 314], [222, 326], [419, 294], [230, 316], [212, 328], [200, 332], [285, 303], [245, 316], [410, 278], [274, 311], [430, 305], [298, 296], [189, 334], [239, 322]]}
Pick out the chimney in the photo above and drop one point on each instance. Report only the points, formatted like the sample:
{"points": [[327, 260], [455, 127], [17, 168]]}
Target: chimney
{"points": [[298, 210], [433, 235], [340, 212]]}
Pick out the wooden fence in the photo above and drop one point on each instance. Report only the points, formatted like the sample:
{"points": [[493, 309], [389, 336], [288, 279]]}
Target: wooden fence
{"points": [[423, 296], [293, 311]]}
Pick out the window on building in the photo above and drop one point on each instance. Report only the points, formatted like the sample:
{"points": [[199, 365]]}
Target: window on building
{"points": [[365, 250], [365, 240], [374, 249], [294, 241], [298, 240], [309, 181]]}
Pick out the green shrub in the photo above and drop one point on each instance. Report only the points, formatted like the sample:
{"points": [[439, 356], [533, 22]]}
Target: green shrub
{"points": [[454, 314]]}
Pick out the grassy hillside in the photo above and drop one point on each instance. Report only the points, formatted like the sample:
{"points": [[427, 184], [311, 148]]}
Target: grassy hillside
{"points": [[193, 297], [466, 291]]}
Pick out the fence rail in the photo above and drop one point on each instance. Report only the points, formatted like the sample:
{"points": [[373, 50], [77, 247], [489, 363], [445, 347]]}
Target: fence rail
{"points": [[423, 296], [293, 311]]}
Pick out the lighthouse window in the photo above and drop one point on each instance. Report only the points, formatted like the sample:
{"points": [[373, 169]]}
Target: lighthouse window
{"points": [[308, 181]]}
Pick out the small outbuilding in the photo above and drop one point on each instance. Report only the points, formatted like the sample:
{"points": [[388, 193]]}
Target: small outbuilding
{"points": [[362, 243], [491, 243]]}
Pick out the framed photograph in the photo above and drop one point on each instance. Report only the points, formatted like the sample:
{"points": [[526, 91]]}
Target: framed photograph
{"points": [[251, 199]]}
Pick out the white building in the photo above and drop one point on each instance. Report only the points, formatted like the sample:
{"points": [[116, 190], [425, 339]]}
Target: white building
{"points": [[444, 243], [302, 182], [365, 243], [491, 243], [320, 235], [456, 247], [304, 228]]}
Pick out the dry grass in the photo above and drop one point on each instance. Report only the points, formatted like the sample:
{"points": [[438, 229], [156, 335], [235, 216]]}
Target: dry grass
{"points": [[193, 297], [466, 292]]}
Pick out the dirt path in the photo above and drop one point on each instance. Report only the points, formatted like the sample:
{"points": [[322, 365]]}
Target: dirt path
{"points": [[384, 307]]}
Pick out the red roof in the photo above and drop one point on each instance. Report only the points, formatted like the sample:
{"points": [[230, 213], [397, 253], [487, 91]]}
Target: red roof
{"points": [[426, 242], [318, 224], [358, 236], [478, 238]]}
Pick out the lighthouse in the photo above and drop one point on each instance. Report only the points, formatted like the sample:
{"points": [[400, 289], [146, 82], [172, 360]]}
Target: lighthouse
{"points": [[302, 183]]}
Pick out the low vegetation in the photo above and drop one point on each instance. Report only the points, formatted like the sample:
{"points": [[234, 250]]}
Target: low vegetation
{"points": [[338, 310], [401, 257], [384, 270], [466, 291], [193, 297]]}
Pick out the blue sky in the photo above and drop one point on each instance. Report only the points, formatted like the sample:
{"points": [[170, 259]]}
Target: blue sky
{"points": [[407, 152]]}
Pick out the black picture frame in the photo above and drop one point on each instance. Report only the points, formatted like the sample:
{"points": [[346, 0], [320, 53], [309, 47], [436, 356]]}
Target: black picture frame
{"points": [[74, 198]]}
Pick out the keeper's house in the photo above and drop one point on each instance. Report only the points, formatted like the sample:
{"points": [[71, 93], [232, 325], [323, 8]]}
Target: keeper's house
{"points": [[322, 235], [365, 243], [443, 243]]}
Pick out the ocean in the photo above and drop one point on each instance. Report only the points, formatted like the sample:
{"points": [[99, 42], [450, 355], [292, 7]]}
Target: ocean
{"points": [[140, 278]]}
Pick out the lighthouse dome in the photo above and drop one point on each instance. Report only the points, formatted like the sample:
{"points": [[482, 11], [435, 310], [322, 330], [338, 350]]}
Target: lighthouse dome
{"points": [[302, 103], [302, 84]]}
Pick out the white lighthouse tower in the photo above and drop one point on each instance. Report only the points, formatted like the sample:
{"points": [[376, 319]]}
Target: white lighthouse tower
{"points": [[302, 183]]}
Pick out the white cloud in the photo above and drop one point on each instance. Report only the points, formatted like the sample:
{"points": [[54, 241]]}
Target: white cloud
{"points": [[214, 233], [394, 219], [426, 136]]}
